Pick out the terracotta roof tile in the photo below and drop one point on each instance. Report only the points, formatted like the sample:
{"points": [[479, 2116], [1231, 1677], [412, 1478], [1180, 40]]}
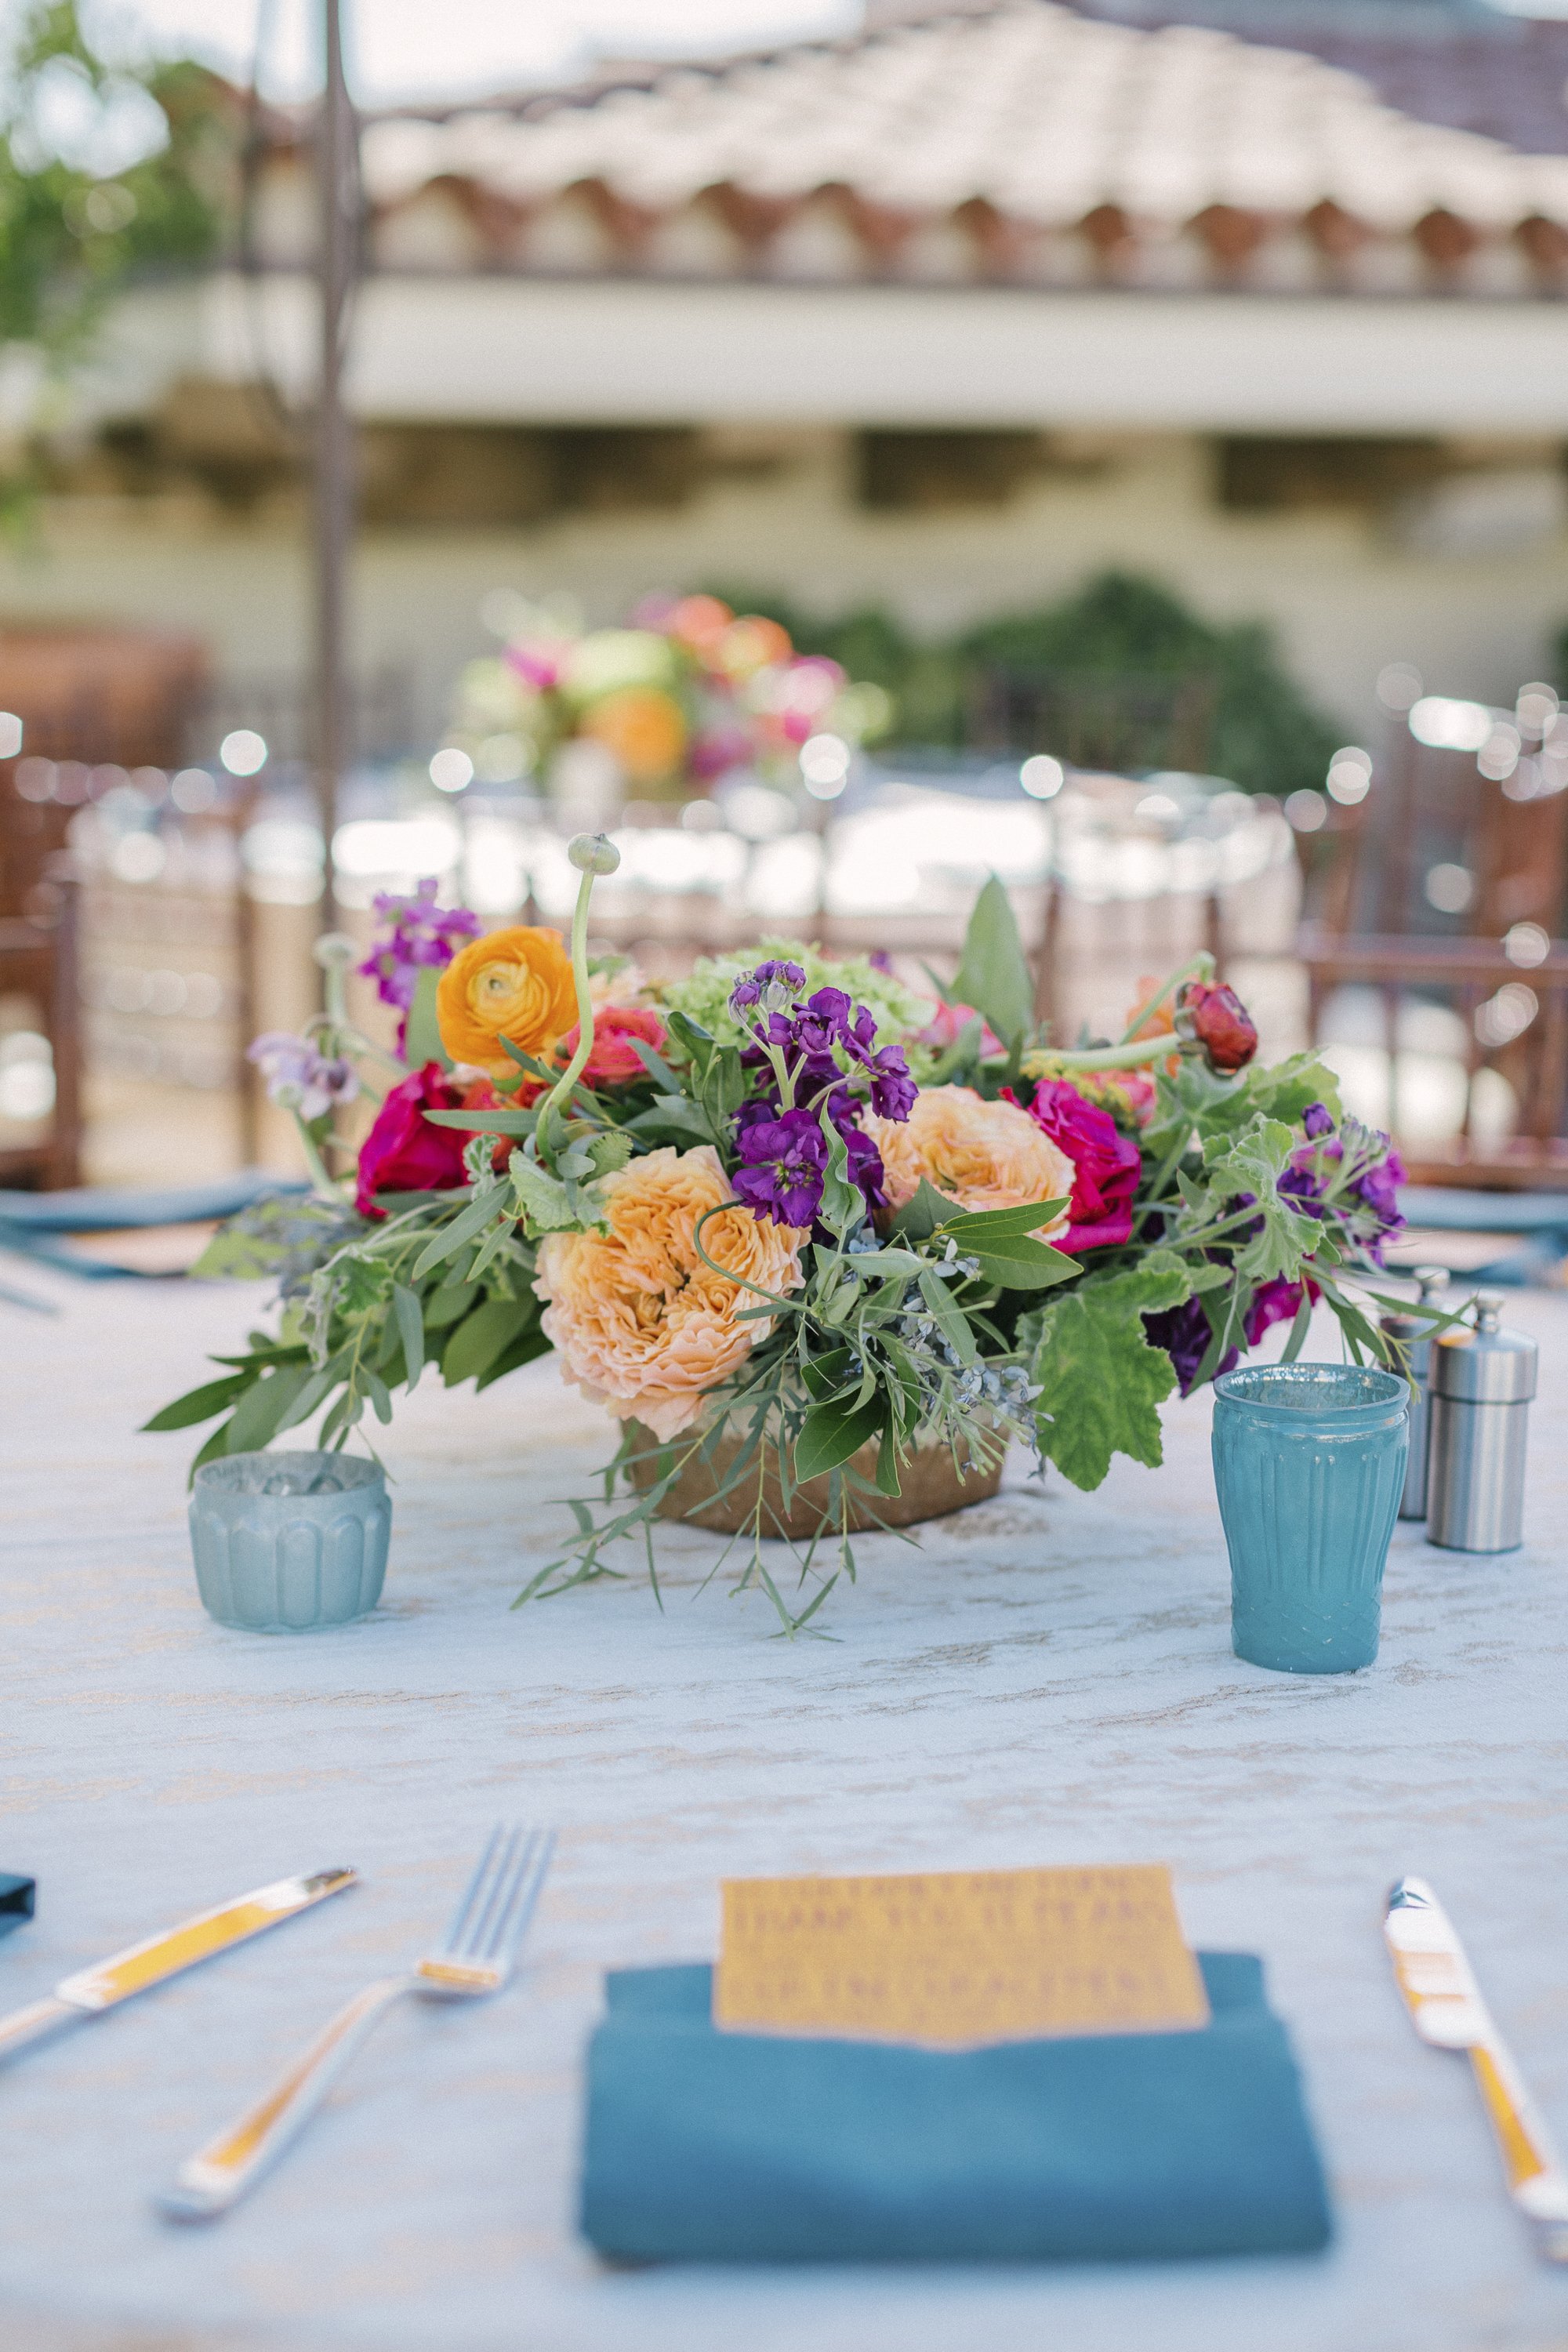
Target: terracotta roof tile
{"points": [[1006, 140]]}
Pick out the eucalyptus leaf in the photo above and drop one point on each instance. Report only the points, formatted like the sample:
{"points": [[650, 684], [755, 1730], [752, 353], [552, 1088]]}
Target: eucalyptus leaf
{"points": [[468, 1222], [529, 1064], [260, 1411], [487, 1122], [952, 1325], [200, 1404], [673, 1114], [977, 1228], [927, 1213], [316, 1390], [656, 1065], [830, 1433], [485, 1335], [529, 1342], [411, 1329], [449, 1304], [1018, 1263]]}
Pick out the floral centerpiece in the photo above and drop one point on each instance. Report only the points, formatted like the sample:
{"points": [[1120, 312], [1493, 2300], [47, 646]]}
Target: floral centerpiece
{"points": [[821, 1248], [685, 695]]}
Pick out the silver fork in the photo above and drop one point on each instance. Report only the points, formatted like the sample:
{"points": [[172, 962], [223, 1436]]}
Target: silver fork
{"points": [[478, 1957]]}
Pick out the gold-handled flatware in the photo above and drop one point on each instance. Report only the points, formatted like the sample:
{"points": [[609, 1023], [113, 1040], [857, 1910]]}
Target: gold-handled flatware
{"points": [[91, 1991], [1447, 2009], [478, 1957]]}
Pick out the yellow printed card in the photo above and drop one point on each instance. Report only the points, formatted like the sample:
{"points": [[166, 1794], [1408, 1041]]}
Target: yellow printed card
{"points": [[955, 1959]]}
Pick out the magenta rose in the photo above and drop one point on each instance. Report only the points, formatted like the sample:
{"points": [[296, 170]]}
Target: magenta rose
{"points": [[1105, 1164], [1275, 1302], [403, 1152]]}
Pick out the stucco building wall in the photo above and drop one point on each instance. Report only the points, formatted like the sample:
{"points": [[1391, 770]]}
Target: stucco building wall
{"points": [[1347, 589]]}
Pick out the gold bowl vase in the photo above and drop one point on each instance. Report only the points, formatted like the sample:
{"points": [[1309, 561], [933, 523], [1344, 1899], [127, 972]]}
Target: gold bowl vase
{"points": [[932, 1484]]}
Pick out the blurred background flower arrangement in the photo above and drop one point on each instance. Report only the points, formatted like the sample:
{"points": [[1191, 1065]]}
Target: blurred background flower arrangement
{"points": [[688, 693]]}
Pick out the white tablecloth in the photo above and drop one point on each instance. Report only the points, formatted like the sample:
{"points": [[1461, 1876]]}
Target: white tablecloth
{"points": [[1048, 1678]]}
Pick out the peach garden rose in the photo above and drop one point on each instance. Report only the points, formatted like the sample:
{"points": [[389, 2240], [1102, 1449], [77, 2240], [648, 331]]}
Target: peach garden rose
{"points": [[639, 1323], [984, 1155]]}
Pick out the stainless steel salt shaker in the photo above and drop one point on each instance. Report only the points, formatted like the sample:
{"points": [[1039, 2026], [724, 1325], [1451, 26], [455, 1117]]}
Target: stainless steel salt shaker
{"points": [[1413, 1334], [1480, 1382]]}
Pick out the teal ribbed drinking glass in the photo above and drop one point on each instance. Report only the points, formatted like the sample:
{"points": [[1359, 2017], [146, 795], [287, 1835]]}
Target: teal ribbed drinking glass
{"points": [[1309, 1462]]}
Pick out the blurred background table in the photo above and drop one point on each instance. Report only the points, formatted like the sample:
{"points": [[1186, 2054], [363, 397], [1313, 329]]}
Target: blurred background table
{"points": [[1047, 1678]]}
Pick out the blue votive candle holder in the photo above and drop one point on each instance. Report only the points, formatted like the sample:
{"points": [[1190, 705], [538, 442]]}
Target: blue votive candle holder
{"points": [[1309, 1462], [289, 1543]]}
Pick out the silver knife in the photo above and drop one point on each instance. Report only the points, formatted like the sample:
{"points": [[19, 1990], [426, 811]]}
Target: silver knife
{"points": [[1447, 2009], [89, 1990]]}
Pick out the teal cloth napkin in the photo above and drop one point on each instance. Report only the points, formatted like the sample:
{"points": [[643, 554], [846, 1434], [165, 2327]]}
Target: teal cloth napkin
{"points": [[735, 2148]]}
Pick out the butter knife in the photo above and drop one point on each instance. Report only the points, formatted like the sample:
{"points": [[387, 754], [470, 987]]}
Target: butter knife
{"points": [[90, 1991], [1447, 2009]]}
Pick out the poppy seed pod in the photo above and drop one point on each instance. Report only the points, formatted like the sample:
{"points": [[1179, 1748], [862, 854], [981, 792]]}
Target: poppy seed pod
{"points": [[593, 853]]}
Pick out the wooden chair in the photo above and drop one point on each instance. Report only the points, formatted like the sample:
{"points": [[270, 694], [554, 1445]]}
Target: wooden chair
{"points": [[1448, 881], [39, 963], [88, 697]]}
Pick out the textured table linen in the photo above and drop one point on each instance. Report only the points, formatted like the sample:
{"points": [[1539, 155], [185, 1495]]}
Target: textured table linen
{"points": [[1048, 1679]]}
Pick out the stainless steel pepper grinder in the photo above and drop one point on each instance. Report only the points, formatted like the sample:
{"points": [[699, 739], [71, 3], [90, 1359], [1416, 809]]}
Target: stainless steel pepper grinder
{"points": [[1480, 1382], [1413, 1335]]}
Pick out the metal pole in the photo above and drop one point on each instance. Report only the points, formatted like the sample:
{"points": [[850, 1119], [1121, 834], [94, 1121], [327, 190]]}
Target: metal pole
{"points": [[338, 191]]}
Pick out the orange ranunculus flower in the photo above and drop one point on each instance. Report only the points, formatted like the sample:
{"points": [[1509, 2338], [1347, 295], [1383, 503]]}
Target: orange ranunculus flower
{"points": [[643, 727], [984, 1155], [639, 1323], [515, 984]]}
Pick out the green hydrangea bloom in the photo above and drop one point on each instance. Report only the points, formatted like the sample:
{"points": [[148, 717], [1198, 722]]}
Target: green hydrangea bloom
{"points": [[704, 995]]}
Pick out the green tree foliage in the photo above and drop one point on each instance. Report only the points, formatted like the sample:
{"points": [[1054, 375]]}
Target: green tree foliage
{"points": [[1267, 735], [73, 226]]}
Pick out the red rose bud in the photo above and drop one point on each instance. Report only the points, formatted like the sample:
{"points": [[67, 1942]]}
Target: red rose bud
{"points": [[1214, 1019]]}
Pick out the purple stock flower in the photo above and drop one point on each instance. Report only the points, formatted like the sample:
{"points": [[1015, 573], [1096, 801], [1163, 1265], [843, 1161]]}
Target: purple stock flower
{"points": [[1316, 1120], [822, 1023], [1304, 1188], [1377, 1188], [299, 1078], [782, 1166], [865, 1170], [420, 936], [771, 986], [819, 1045], [1183, 1333], [1378, 1185], [893, 1091]]}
